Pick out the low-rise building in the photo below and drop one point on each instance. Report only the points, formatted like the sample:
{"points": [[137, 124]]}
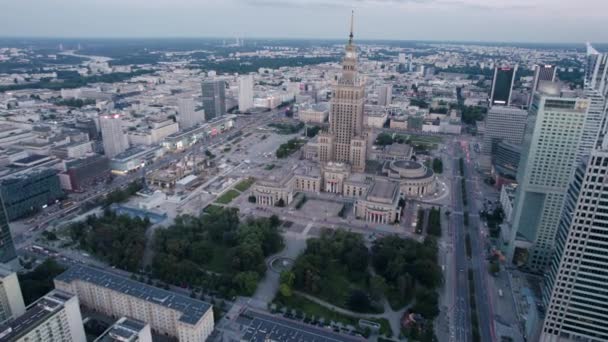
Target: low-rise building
{"points": [[54, 317], [316, 113], [380, 204], [169, 313], [415, 179], [84, 172], [135, 158]]}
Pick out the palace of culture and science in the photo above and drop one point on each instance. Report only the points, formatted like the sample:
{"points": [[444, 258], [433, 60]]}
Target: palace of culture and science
{"points": [[335, 162]]}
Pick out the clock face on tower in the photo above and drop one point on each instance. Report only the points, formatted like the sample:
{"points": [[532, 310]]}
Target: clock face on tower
{"points": [[350, 54]]}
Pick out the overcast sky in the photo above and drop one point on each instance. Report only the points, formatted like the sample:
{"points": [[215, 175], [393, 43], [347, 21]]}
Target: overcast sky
{"points": [[473, 20]]}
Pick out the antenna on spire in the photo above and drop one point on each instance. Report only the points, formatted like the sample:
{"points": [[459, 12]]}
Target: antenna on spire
{"points": [[352, 20]]}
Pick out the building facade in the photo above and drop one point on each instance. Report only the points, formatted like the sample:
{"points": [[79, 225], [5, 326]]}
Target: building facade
{"points": [[245, 93], [54, 317], [113, 136], [11, 299], [502, 85], [28, 192], [542, 73], [575, 285], [188, 117], [166, 312], [385, 95], [214, 98], [127, 330], [503, 124], [549, 153]]}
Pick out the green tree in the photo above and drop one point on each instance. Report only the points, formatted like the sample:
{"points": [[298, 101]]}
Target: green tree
{"points": [[384, 139], [377, 287], [247, 282]]}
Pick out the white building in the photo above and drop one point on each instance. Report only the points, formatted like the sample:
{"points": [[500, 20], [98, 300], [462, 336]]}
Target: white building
{"points": [[188, 116], [385, 95], [178, 316], [316, 113], [245, 93], [11, 300], [113, 136], [54, 317]]}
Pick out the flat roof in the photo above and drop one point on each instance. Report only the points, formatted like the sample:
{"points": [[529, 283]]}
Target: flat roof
{"points": [[36, 313], [126, 329], [383, 189], [262, 327], [192, 309]]}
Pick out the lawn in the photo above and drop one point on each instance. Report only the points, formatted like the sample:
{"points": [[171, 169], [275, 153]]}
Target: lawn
{"points": [[210, 209], [228, 196], [311, 308], [244, 184]]}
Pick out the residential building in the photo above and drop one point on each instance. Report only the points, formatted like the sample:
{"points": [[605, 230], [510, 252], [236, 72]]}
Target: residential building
{"points": [[245, 93], [181, 317], [127, 330], [11, 299], [502, 85], [385, 95], [542, 73], [187, 114], [575, 291], [503, 124], [551, 145], [54, 317], [114, 138], [28, 192], [214, 98]]}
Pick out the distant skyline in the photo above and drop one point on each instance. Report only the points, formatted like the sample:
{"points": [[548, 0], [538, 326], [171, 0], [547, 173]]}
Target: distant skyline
{"points": [[563, 21]]}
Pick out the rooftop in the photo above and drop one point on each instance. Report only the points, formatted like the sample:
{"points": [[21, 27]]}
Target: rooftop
{"points": [[124, 330], [383, 189], [192, 309], [36, 313]]}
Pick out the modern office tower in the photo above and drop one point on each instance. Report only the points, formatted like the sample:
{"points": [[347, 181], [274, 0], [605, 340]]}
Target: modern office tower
{"points": [[549, 154], [575, 292], [503, 124], [214, 98], [127, 330], [345, 141], [175, 315], [245, 93], [7, 247], [188, 116], [54, 317], [542, 73], [114, 138], [502, 85], [385, 95], [11, 299], [596, 89], [28, 192]]}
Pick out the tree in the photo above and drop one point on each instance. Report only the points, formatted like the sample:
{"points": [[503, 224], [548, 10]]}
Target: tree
{"points": [[247, 282], [359, 301], [287, 279], [39, 282], [384, 139], [377, 287], [427, 303], [437, 165]]}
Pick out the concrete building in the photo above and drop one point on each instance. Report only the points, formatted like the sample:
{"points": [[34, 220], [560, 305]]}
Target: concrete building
{"points": [[188, 116], [550, 150], [502, 85], [156, 131], [345, 141], [575, 285], [503, 124], [29, 192], [385, 95], [542, 73], [54, 317], [214, 98], [135, 158], [381, 203], [188, 137], [507, 196], [178, 316], [11, 299], [127, 330], [315, 113], [415, 179], [114, 138], [8, 254], [245, 93], [84, 172]]}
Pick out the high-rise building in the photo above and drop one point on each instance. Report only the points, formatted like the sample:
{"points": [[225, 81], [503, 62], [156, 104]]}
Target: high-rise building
{"points": [[502, 85], [214, 98], [549, 153], [29, 192], [503, 124], [175, 315], [188, 116], [245, 93], [385, 95], [7, 247], [542, 73], [575, 291], [54, 317], [11, 299], [114, 138], [345, 141]]}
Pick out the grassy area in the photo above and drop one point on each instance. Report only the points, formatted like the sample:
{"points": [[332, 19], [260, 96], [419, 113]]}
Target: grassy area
{"points": [[211, 208], [244, 184], [311, 308], [228, 196]]}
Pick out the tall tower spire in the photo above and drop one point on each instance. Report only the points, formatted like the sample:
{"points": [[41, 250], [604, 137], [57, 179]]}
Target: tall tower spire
{"points": [[352, 23]]}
